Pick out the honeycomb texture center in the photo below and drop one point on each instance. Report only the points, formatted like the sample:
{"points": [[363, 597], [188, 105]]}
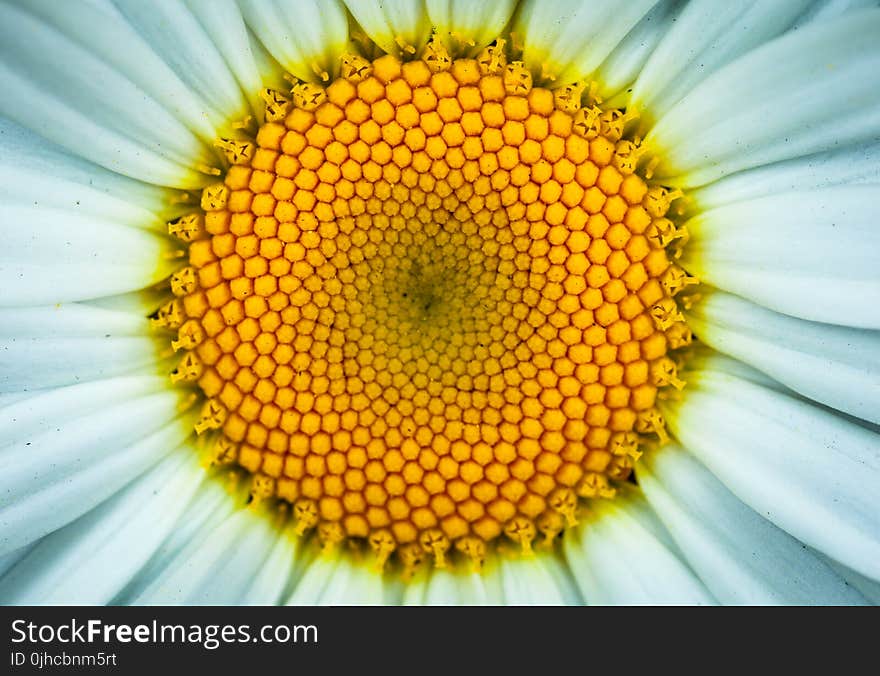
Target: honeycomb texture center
{"points": [[430, 305]]}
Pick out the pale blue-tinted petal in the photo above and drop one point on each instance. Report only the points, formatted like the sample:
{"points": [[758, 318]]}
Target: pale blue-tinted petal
{"points": [[740, 556], [67, 450], [764, 107], [835, 365], [810, 472], [93, 558], [65, 78], [706, 36], [615, 559], [808, 254]]}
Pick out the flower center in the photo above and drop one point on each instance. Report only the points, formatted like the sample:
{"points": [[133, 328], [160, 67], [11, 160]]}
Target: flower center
{"points": [[430, 306]]}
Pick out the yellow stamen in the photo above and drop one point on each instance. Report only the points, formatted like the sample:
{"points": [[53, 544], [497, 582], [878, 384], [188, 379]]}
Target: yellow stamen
{"points": [[188, 228], [568, 98], [436, 56], [517, 79], [330, 534], [551, 524], [435, 543], [521, 531], [262, 488], [277, 105], [189, 370], [305, 511], [383, 543], [474, 549], [492, 60], [212, 418], [411, 556], [223, 452], [236, 152]]}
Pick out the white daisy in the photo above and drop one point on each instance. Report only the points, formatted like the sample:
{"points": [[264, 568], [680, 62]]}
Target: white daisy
{"points": [[393, 302]]}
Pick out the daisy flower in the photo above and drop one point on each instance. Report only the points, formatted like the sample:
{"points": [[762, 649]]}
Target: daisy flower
{"points": [[436, 301]]}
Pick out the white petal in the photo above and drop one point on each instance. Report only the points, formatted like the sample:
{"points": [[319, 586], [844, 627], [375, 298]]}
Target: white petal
{"points": [[10, 398], [397, 26], [834, 365], [210, 506], [558, 569], [34, 171], [570, 38], [622, 66], [336, 580], [808, 471], [269, 583], [870, 589], [69, 321], [220, 567], [823, 10], [529, 581], [615, 559], [62, 345], [456, 21], [705, 36], [100, 27], [306, 37], [74, 92], [177, 36], [740, 556], [763, 107], [853, 165], [143, 302], [58, 463], [55, 362], [223, 22], [93, 558], [808, 254], [34, 416], [648, 519], [272, 73], [445, 588], [704, 357], [10, 560], [54, 255]]}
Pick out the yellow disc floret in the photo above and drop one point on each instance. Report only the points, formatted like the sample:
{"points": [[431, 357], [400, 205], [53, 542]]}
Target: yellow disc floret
{"points": [[430, 306]]}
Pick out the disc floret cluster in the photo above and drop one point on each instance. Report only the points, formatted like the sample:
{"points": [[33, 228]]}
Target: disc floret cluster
{"points": [[430, 306]]}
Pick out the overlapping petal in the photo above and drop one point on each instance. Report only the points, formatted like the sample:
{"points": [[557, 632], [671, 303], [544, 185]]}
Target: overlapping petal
{"points": [[68, 449], [772, 104], [808, 254], [399, 27], [65, 78], [739, 555], [222, 567], [616, 559], [834, 365], [469, 25], [53, 255], [704, 37], [95, 557], [306, 38], [569, 39], [811, 472]]}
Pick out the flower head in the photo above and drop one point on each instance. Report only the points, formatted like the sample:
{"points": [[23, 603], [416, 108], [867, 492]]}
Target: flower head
{"points": [[519, 302]]}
